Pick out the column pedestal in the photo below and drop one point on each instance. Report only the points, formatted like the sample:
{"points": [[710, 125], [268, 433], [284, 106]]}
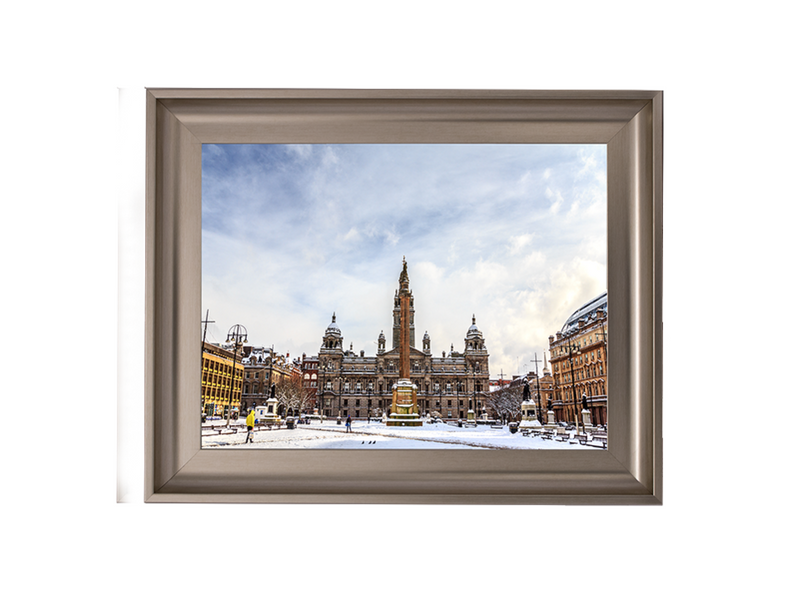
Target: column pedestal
{"points": [[404, 409]]}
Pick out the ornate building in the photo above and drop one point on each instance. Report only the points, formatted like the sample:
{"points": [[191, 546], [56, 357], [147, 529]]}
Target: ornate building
{"points": [[309, 367], [578, 355], [263, 369], [362, 386]]}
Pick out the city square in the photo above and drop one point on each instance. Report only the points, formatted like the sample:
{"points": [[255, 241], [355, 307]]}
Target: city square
{"points": [[531, 371], [375, 435]]}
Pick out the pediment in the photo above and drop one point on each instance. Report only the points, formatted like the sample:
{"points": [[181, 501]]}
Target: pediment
{"points": [[394, 353]]}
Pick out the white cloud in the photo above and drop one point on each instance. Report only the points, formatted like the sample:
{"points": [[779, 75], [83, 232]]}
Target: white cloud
{"points": [[391, 237], [518, 243], [310, 229], [301, 151], [352, 235]]}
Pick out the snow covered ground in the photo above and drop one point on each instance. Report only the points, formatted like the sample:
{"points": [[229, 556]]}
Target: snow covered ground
{"points": [[376, 436]]}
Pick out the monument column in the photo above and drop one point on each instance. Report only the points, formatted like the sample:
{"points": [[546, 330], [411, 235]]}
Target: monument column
{"points": [[404, 317], [404, 409]]}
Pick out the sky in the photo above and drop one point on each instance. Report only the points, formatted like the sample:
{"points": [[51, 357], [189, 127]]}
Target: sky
{"points": [[512, 234]]}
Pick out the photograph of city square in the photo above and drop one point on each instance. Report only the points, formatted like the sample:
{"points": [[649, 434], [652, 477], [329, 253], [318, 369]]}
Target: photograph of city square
{"points": [[404, 297]]}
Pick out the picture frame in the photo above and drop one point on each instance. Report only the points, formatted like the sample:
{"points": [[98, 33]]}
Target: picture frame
{"points": [[179, 121]]}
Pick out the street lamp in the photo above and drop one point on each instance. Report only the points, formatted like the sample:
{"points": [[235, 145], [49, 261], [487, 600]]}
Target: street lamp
{"points": [[237, 335], [574, 348], [440, 393], [340, 388], [370, 387], [538, 396], [474, 391]]}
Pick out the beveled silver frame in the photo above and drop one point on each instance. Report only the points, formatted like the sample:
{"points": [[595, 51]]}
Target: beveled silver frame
{"points": [[180, 121]]}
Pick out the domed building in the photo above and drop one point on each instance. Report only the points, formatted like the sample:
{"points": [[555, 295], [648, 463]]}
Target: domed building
{"points": [[578, 356], [448, 386]]}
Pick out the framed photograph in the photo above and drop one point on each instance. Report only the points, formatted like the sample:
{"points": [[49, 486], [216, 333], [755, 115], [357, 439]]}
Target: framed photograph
{"points": [[458, 169]]}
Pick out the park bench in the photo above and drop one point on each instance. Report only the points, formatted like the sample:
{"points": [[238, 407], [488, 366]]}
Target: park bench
{"points": [[496, 426], [598, 441], [562, 437], [224, 431]]}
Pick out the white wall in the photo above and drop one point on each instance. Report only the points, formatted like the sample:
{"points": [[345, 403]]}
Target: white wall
{"points": [[74, 153]]}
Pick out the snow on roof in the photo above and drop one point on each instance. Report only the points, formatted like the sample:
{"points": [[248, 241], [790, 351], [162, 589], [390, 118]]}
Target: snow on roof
{"points": [[601, 302]]}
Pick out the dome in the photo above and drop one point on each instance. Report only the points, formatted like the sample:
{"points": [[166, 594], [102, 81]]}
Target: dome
{"points": [[585, 312], [473, 330], [333, 328]]}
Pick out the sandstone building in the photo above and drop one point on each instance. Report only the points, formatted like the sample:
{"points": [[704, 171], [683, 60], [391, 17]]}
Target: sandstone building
{"points": [[578, 355], [264, 369], [361, 386]]}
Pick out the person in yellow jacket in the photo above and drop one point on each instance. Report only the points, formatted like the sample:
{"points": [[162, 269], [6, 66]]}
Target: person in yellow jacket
{"points": [[250, 426]]}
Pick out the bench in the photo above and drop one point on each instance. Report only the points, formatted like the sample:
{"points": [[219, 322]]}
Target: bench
{"points": [[547, 435], [598, 441], [496, 426], [219, 431], [562, 437]]}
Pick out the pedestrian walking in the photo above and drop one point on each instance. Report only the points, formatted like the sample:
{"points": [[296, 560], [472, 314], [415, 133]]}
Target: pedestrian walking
{"points": [[250, 427], [349, 424]]}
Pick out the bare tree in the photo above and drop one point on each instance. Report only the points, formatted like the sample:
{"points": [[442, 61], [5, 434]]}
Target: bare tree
{"points": [[506, 402], [296, 398]]}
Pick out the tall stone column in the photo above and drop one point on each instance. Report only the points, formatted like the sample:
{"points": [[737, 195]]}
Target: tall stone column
{"points": [[404, 315], [404, 408]]}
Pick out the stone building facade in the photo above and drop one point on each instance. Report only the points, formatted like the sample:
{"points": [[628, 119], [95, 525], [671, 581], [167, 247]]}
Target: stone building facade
{"points": [[218, 393], [578, 356], [361, 386], [264, 368], [309, 368]]}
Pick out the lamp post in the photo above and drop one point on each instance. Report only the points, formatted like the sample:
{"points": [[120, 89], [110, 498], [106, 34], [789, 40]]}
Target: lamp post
{"points": [[206, 321], [369, 387], [440, 393], [538, 390], [573, 348], [270, 369], [237, 335], [474, 391], [340, 388]]}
